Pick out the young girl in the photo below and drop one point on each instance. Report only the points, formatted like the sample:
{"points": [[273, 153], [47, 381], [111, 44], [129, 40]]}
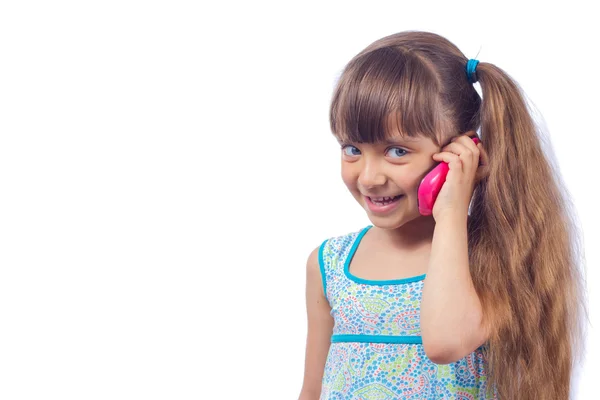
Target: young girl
{"points": [[480, 299]]}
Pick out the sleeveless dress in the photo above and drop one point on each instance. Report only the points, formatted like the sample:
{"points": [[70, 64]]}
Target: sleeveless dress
{"points": [[376, 349]]}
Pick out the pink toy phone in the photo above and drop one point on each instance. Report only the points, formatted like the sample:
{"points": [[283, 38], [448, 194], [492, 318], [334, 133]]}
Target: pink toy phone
{"points": [[431, 184]]}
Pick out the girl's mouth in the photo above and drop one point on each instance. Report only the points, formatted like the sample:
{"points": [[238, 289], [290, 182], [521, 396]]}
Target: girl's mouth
{"points": [[382, 205]]}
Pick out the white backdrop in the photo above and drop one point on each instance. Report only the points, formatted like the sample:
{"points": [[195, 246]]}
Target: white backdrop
{"points": [[166, 167]]}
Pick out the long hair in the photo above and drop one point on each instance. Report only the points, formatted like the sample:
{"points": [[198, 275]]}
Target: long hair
{"points": [[525, 254]]}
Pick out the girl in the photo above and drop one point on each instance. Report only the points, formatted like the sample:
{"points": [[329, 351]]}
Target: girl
{"points": [[482, 298]]}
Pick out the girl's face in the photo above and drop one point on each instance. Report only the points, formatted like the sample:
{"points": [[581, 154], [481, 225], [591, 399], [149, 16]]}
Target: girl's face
{"points": [[372, 171]]}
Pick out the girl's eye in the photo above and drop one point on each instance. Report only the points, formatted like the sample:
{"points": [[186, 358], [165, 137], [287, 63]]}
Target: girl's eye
{"points": [[353, 150], [396, 152]]}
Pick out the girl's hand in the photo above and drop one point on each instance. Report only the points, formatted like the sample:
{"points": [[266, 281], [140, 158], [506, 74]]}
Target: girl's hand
{"points": [[468, 164]]}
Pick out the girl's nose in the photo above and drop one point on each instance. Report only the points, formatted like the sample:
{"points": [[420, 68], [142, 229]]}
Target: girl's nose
{"points": [[371, 175]]}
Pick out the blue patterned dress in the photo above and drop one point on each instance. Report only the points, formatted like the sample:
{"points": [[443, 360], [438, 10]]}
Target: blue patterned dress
{"points": [[376, 349]]}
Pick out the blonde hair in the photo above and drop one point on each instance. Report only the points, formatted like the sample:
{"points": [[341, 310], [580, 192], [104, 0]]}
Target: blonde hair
{"points": [[524, 244]]}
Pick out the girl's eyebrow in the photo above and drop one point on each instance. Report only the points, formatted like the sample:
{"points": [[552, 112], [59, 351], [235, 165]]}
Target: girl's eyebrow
{"points": [[401, 139]]}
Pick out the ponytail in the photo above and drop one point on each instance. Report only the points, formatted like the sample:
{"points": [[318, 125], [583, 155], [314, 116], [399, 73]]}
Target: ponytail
{"points": [[525, 252]]}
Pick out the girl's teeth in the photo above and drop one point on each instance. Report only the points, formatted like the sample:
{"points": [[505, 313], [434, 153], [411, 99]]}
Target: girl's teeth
{"points": [[385, 200]]}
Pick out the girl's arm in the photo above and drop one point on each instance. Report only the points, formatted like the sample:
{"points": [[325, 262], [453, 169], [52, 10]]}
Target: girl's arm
{"points": [[451, 316], [320, 328]]}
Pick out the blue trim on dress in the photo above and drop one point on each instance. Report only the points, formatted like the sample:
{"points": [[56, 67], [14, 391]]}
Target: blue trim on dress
{"points": [[386, 339], [368, 281], [322, 267], [376, 339]]}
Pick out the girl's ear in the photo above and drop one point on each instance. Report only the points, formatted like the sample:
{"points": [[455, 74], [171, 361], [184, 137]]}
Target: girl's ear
{"points": [[472, 134], [483, 170]]}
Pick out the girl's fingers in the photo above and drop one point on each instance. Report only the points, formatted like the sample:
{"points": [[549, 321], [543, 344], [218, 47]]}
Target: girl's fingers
{"points": [[460, 148], [452, 152], [448, 158]]}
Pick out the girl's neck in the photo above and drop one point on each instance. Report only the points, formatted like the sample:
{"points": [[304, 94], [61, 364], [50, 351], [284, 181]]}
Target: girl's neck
{"points": [[414, 235]]}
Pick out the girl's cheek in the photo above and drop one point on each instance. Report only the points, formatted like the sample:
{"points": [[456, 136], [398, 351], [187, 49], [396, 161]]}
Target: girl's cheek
{"points": [[347, 179]]}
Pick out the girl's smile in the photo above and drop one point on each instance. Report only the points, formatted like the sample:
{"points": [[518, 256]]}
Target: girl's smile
{"points": [[382, 207]]}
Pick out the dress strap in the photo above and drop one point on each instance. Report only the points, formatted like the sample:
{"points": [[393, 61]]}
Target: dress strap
{"points": [[332, 255]]}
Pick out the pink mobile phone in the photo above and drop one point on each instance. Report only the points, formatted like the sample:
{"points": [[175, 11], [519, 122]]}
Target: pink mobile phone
{"points": [[431, 184]]}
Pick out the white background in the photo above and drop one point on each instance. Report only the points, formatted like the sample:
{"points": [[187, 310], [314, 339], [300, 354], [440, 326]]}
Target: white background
{"points": [[166, 167]]}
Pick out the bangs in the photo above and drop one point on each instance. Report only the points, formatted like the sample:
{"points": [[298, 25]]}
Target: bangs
{"points": [[385, 93]]}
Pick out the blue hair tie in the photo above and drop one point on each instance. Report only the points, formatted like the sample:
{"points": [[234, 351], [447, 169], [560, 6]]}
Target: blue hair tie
{"points": [[471, 67]]}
